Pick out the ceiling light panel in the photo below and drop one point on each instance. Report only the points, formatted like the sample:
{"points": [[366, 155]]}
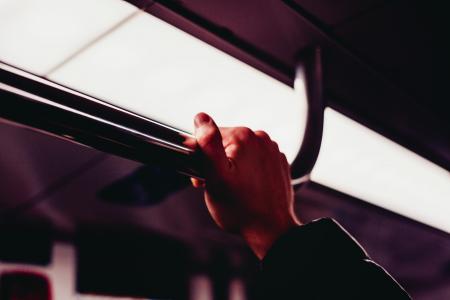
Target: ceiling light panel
{"points": [[37, 35], [360, 162], [154, 69]]}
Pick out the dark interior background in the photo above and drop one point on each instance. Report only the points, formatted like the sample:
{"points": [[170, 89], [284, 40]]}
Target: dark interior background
{"points": [[380, 70]]}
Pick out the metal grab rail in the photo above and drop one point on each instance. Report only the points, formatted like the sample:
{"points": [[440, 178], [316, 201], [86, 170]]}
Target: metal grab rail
{"points": [[46, 106]]}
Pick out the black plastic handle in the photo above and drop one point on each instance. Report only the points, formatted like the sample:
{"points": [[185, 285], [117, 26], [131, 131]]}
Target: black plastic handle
{"points": [[309, 75]]}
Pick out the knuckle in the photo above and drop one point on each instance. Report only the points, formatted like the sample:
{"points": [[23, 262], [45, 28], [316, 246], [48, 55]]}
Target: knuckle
{"points": [[233, 150], [275, 146], [245, 133], [262, 134]]}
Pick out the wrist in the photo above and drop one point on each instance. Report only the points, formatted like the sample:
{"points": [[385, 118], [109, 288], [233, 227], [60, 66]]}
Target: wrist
{"points": [[261, 237]]}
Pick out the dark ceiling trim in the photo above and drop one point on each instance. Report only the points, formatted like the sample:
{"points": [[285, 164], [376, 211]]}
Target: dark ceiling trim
{"points": [[377, 78], [223, 39], [141, 3], [228, 36], [326, 32]]}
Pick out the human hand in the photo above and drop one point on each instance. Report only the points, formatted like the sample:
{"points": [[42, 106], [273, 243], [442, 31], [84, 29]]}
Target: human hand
{"points": [[247, 183]]}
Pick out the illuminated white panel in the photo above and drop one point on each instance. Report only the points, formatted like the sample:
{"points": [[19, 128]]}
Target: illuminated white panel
{"points": [[36, 35], [154, 69], [359, 162]]}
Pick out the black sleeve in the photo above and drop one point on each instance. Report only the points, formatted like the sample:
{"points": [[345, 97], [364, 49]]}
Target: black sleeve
{"points": [[320, 260]]}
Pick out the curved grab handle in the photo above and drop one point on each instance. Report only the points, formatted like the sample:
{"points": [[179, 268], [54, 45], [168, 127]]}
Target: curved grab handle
{"points": [[309, 76]]}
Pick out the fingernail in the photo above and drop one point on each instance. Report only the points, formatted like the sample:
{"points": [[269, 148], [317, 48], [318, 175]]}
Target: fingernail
{"points": [[201, 119]]}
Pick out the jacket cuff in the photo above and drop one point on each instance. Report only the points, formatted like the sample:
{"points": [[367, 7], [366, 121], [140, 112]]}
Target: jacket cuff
{"points": [[322, 239]]}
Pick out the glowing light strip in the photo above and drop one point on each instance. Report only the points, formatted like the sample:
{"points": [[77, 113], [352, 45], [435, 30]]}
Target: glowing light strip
{"points": [[364, 164]]}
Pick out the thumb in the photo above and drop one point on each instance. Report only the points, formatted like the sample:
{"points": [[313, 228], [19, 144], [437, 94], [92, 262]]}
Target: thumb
{"points": [[209, 140]]}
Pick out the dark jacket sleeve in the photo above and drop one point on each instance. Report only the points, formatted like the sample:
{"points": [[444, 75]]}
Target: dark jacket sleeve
{"points": [[320, 260]]}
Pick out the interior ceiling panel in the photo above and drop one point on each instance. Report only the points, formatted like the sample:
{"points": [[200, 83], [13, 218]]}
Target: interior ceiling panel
{"points": [[334, 12], [181, 214], [76, 202], [397, 41], [31, 163]]}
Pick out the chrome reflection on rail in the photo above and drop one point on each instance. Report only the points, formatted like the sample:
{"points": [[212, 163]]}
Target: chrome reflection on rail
{"points": [[46, 106]]}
